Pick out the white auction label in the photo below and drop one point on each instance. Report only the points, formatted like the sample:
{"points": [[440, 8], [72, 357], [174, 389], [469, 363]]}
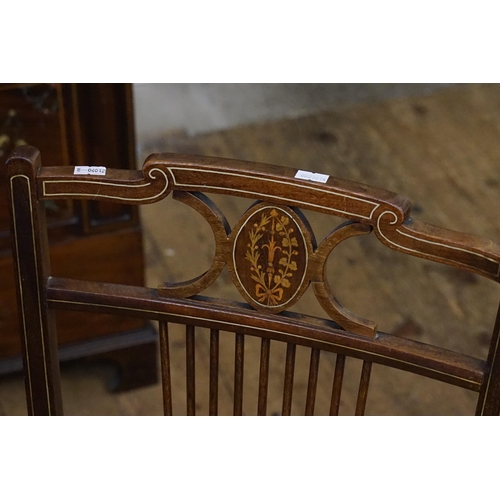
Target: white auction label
{"points": [[311, 176], [89, 170]]}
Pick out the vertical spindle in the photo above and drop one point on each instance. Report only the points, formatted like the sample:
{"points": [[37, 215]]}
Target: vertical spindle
{"points": [[165, 369], [363, 388], [190, 371], [313, 382], [238, 373], [337, 384], [288, 383], [214, 373], [263, 376]]}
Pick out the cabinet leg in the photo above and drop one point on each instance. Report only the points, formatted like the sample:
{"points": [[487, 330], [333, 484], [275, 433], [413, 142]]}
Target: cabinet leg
{"points": [[137, 366], [134, 354]]}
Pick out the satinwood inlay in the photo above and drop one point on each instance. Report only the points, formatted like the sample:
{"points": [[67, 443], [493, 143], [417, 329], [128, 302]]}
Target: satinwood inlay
{"points": [[271, 249]]}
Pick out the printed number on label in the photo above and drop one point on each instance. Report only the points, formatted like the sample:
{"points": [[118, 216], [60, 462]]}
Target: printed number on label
{"points": [[311, 176], [86, 170]]}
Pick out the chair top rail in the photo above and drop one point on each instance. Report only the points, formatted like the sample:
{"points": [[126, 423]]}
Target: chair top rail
{"points": [[163, 173], [388, 213]]}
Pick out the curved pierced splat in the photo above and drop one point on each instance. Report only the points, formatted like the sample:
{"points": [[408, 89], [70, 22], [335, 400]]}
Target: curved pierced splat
{"points": [[220, 227], [321, 286], [271, 246], [387, 212], [38, 292]]}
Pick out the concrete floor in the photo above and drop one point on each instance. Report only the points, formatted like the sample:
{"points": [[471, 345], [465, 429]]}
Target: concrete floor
{"points": [[197, 108]]}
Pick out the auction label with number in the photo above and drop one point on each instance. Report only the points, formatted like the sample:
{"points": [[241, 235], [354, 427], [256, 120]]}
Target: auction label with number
{"points": [[311, 176], [92, 170]]}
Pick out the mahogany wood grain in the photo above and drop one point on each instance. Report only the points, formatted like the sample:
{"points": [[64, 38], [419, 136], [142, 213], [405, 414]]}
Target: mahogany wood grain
{"points": [[363, 388], [489, 397], [384, 210], [386, 213], [312, 382], [288, 383], [165, 369], [337, 385], [190, 371], [272, 257], [32, 268], [75, 124], [239, 359], [321, 285], [263, 376], [214, 372], [407, 354]]}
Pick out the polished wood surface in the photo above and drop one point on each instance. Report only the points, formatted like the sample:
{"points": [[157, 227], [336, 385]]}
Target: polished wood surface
{"points": [[80, 124], [39, 345], [388, 213], [273, 229]]}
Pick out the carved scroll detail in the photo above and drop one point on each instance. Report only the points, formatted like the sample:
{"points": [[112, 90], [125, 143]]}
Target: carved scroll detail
{"points": [[154, 186], [440, 245]]}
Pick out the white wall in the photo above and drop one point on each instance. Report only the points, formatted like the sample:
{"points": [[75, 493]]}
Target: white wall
{"points": [[197, 108]]}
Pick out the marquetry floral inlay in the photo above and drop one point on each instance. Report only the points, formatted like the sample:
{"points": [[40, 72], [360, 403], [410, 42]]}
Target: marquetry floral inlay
{"points": [[271, 251]]}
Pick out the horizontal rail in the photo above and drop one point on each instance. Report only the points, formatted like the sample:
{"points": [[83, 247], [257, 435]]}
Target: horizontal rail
{"points": [[385, 349], [163, 173]]}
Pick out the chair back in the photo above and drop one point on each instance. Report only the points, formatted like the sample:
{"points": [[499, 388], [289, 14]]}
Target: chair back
{"points": [[272, 257]]}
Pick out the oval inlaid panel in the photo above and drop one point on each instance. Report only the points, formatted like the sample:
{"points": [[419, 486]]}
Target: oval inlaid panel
{"points": [[271, 248]]}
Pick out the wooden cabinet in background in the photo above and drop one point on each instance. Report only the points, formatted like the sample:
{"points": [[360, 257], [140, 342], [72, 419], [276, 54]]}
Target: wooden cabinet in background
{"points": [[79, 124]]}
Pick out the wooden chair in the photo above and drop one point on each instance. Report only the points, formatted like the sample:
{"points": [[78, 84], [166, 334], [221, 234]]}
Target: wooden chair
{"points": [[272, 258]]}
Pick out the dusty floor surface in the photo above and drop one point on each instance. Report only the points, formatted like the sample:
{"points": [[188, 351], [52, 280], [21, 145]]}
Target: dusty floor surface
{"points": [[441, 151]]}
